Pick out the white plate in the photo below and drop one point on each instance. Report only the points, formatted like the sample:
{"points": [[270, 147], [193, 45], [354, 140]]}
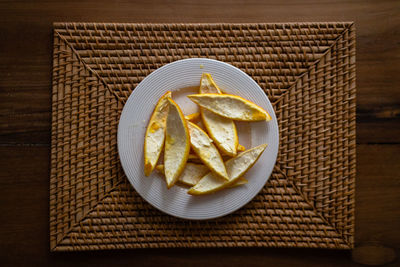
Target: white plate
{"points": [[138, 109]]}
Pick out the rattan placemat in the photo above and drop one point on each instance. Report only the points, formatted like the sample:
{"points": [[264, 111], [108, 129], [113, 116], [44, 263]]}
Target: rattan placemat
{"points": [[308, 72]]}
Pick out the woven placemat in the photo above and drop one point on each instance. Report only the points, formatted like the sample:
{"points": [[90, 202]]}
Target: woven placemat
{"points": [[308, 72]]}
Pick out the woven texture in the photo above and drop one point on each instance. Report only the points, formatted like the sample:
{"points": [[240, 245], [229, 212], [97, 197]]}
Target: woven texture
{"points": [[308, 72]]}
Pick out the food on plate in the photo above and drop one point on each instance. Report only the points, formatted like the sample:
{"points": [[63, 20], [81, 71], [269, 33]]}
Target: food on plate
{"points": [[204, 148], [177, 144], [155, 134], [231, 106], [236, 168], [194, 158], [192, 174], [194, 117], [201, 149], [240, 181], [222, 130], [240, 148], [207, 85]]}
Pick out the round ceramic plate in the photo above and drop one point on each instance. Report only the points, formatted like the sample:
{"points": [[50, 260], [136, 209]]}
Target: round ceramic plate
{"points": [[182, 78]]}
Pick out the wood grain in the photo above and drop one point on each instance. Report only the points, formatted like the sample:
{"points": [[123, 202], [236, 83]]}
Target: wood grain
{"points": [[372, 254], [25, 85], [25, 69], [24, 217]]}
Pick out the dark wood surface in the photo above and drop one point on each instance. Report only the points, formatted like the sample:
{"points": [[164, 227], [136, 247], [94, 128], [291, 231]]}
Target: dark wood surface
{"points": [[25, 85]]}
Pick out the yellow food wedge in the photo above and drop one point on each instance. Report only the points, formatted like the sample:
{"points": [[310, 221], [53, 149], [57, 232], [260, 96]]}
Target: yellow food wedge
{"points": [[155, 134], [195, 158], [194, 117], [177, 144], [231, 106], [160, 168], [236, 168], [221, 130], [240, 181], [240, 148], [192, 174], [207, 85], [203, 146]]}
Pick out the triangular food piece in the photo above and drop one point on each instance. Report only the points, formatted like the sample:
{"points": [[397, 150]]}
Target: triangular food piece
{"points": [[236, 168], [191, 175], [203, 146], [155, 134], [222, 130], [231, 106], [177, 144]]}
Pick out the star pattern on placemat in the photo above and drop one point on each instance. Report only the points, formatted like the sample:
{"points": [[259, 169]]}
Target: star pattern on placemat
{"points": [[308, 72]]}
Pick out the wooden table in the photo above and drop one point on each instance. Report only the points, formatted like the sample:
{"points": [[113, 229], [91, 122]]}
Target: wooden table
{"points": [[25, 86]]}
